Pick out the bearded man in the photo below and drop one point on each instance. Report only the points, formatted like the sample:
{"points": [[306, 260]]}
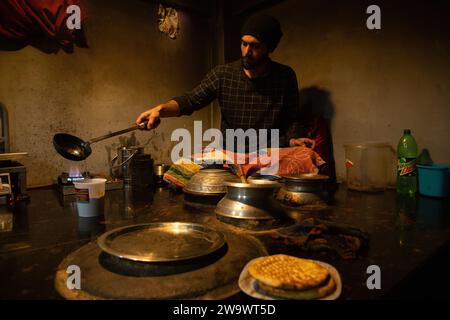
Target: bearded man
{"points": [[253, 92]]}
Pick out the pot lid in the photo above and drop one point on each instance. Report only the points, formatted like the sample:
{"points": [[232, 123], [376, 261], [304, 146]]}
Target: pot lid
{"points": [[306, 177], [253, 184], [209, 182]]}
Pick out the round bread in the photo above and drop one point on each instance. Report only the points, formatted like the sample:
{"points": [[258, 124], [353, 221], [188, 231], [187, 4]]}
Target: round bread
{"points": [[286, 272], [308, 294]]}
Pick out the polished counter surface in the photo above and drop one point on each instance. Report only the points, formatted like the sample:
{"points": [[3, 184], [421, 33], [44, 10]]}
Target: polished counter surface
{"points": [[408, 237]]}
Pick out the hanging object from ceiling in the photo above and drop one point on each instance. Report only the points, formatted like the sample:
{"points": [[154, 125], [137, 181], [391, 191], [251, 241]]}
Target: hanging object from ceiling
{"points": [[168, 21], [44, 24]]}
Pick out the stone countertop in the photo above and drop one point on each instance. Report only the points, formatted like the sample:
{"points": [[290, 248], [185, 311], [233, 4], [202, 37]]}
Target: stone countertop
{"points": [[407, 236]]}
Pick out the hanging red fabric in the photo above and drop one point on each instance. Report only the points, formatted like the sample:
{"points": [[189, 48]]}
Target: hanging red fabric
{"points": [[23, 20]]}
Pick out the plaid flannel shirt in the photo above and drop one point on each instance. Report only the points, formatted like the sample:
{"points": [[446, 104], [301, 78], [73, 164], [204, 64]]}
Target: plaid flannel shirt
{"points": [[269, 102]]}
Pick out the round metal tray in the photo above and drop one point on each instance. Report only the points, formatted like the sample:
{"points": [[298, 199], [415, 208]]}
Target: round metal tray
{"points": [[161, 242]]}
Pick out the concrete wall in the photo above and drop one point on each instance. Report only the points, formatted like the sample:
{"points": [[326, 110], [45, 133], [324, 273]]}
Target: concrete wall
{"points": [[374, 83], [377, 82], [128, 67]]}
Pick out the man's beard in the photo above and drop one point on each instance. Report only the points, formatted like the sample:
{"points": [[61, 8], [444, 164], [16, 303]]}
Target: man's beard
{"points": [[250, 64]]}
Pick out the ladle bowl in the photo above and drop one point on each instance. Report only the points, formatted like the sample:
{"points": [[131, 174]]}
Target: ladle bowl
{"points": [[71, 147], [76, 149]]}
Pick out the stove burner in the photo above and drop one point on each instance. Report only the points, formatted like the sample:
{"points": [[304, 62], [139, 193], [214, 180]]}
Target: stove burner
{"points": [[67, 179]]}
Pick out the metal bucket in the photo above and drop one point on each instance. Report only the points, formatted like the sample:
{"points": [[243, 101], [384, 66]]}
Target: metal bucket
{"points": [[124, 158]]}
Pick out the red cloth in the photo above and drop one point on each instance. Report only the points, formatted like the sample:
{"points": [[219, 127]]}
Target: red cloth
{"points": [[291, 161], [27, 19], [295, 160], [320, 133]]}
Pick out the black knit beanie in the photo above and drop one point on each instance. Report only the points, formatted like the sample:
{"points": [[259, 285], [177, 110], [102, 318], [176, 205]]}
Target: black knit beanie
{"points": [[265, 28]]}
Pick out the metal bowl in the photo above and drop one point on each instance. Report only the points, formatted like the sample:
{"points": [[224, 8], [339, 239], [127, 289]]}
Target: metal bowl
{"points": [[209, 182], [254, 200]]}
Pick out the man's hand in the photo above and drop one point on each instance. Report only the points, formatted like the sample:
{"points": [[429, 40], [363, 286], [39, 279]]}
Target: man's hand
{"points": [[152, 115], [302, 142]]}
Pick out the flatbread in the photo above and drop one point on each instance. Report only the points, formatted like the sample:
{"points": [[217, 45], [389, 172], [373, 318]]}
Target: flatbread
{"points": [[289, 273], [308, 294]]}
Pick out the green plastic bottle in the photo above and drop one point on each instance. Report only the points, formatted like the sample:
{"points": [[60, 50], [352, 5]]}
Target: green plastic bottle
{"points": [[406, 164]]}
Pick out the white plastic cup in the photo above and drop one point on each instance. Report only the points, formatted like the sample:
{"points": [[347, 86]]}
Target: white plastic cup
{"points": [[90, 196]]}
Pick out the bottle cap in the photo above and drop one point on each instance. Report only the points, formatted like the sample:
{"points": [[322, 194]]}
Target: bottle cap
{"points": [[407, 131]]}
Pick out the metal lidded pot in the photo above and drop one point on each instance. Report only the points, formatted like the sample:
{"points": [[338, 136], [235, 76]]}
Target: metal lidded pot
{"points": [[304, 190], [209, 182], [250, 201]]}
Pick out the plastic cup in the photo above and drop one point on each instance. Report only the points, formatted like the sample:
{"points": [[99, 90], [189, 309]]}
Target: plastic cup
{"points": [[90, 195]]}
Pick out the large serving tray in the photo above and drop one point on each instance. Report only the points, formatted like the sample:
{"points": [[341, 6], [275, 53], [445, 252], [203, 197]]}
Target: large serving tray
{"points": [[161, 242]]}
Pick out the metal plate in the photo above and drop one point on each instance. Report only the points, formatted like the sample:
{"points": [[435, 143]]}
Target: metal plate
{"points": [[213, 277], [161, 242]]}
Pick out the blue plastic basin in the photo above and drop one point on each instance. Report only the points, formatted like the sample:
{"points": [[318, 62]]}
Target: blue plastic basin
{"points": [[434, 180]]}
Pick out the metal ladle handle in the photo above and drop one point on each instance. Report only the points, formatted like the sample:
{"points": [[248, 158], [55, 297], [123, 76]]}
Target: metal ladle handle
{"points": [[142, 125], [123, 162]]}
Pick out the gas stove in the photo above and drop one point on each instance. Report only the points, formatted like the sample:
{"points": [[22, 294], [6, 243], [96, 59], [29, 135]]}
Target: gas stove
{"points": [[68, 179], [64, 183]]}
